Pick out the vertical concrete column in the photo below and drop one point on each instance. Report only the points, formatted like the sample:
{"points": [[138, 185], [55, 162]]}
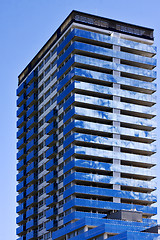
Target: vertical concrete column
{"points": [[116, 137]]}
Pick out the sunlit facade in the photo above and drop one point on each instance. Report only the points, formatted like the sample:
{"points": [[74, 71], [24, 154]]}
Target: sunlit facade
{"points": [[86, 134]]}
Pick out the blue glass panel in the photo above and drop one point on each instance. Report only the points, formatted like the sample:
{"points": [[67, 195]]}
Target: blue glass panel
{"points": [[21, 186], [20, 230], [21, 110], [20, 218], [21, 175], [32, 133], [31, 223], [20, 208], [51, 128], [51, 115], [51, 140], [51, 176], [21, 142], [51, 188], [32, 122], [51, 225], [51, 152], [31, 190], [21, 89], [31, 178], [21, 154], [51, 212], [51, 164], [21, 100], [21, 132], [21, 196], [32, 111], [31, 167], [32, 144], [32, 76], [32, 100], [21, 121], [51, 200], [31, 201], [31, 235], [32, 88]]}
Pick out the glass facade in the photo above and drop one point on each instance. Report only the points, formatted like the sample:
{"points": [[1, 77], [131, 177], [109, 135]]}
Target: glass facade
{"points": [[86, 138]]}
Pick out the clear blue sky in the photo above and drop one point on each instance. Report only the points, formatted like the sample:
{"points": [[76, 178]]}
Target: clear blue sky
{"points": [[25, 25]]}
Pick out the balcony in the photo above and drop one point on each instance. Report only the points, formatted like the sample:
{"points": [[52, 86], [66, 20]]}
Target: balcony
{"points": [[21, 165], [51, 152], [32, 111], [21, 122], [32, 190], [32, 77], [32, 167], [32, 224], [21, 219], [31, 134], [50, 213], [51, 177], [22, 132], [32, 145], [32, 100], [21, 100], [32, 178], [21, 89], [31, 235], [51, 201], [51, 115], [21, 208], [51, 225], [21, 197], [52, 164], [51, 140], [31, 212], [32, 156], [51, 189], [21, 186], [21, 230], [51, 128], [31, 89], [21, 154], [21, 111], [21, 143], [32, 122], [32, 201], [21, 175]]}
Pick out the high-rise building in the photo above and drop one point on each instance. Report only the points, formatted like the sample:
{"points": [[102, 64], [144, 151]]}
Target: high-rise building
{"points": [[86, 134]]}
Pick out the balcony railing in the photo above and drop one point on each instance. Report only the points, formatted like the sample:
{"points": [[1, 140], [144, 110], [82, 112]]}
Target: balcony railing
{"points": [[52, 188], [21, 197], [50, 213], [21, 219], [21, 89], [32, 76], [51, 140], [21, 121], [51, 115], [21, 132], [31, 235], [21, 175], [31, 224], [21, 100], [32, 133], [32, 111], [21, 143], [21, 165], [51, 225], [32, 201], [32, 122], [21, 154], [32, 167], [31, 212], [31, 89], [21, 186], [32, 100], [32, 178], [50, 177], [50, 165], [31, 145], [32, 156], [21, 208], [52, 200], [21, 230], [32, 190], [21, 111], [51, 152], [51, 128]]}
